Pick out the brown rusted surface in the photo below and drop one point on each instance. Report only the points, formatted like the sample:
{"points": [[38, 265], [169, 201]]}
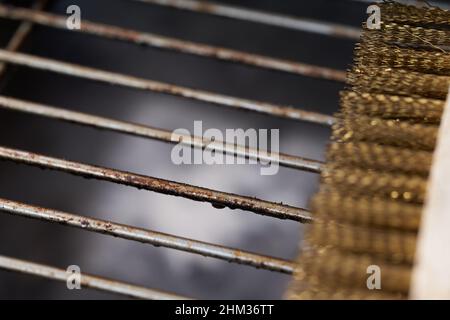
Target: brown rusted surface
{"points": [[232, 201], [162, 87], [162, 42], [147, 236], [87, 280], [257, 16], [160, 134]]}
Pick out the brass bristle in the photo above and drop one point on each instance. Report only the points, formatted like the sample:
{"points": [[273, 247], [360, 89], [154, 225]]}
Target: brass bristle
{"points": [[366, 211], [354, 128], [391, 246], [371, 53], [392, 106], [323, 293], [434, 16], [366, 155], [398, 81], [343, 270], [410, 36], [368, 208], [354, 181]]}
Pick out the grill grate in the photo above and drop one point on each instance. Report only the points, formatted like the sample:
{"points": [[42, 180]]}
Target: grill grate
{"points": [[10, 55]]}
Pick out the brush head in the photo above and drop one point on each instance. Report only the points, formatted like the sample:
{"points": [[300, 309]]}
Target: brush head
{"points": [[374, 185]]}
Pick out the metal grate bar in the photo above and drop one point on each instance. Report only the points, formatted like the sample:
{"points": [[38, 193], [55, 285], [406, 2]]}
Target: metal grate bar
{"points": [[93, 74], [159, 134], [114, 32], [88, 281], [22, 33], [271, 19], [148, 236], [217, 198]]}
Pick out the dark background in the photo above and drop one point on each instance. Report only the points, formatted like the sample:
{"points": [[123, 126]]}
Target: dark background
{"points": [[161, 268]]}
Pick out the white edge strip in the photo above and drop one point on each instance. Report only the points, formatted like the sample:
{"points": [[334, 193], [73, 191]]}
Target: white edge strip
{"points": [[431, 274]]}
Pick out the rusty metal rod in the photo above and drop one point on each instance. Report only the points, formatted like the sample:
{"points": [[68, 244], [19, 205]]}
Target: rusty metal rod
{"points": [[267, 18], [93, 74], [159, 134], [148, 236], [22, 33], [216, 198], [88, 281], [118, 33]]}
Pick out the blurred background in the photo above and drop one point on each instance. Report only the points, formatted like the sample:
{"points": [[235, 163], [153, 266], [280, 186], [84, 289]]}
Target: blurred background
{"points": [[166, 269]]}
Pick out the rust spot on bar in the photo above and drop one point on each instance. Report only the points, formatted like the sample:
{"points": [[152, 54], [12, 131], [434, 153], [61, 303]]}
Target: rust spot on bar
{"points": [[114, 32], [87, 280], [262, 17], [232, 201], [147, 236], [162, 87]]}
